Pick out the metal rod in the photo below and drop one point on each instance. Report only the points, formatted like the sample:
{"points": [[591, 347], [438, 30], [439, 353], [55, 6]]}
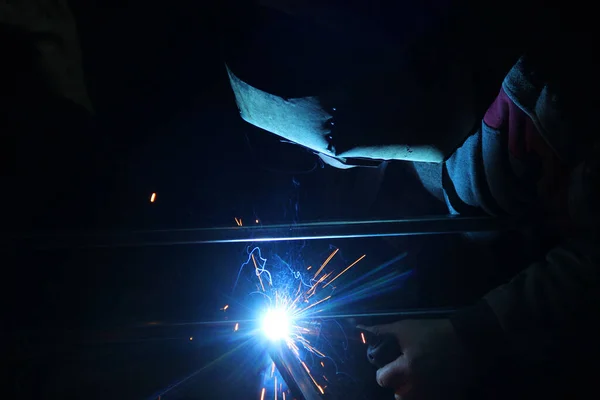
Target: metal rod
{"points": [[266, 233], [417, 313]]}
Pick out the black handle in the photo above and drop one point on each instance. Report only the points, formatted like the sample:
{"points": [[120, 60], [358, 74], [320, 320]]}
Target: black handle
{"points": [[383, 349]]}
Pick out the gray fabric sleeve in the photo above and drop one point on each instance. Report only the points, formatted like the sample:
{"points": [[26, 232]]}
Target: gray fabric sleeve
{"points": [[550, 300]]}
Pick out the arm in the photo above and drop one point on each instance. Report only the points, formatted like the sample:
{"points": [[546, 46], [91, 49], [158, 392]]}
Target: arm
{"points": [[540, 316]]}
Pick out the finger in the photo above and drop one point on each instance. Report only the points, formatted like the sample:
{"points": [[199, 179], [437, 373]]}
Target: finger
{"points": [[405, 394], [395, 375]]}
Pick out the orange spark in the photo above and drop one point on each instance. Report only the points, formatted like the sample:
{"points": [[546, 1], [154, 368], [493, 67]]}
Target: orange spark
{"points": [[322, 364], [305, 367], [313, 379], [312, 305], [191, 338], [362, 336], [226, 307], [314, 287], [257, 221], [237, 326], [262, 393], [309, 267], [347, 268], [314, 350], [152, 197], [325, 263]]}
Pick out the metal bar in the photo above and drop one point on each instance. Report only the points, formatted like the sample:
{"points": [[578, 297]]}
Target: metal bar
{"points": [[266, 233], [296, 378], [414, 313]]}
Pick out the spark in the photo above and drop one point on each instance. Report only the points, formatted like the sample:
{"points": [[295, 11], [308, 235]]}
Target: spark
{"points": [[225, 307], [191, 338], [257, 221], [237, 326], [152, 197], [347, 268], [314, 304], [283, 393], [325, 263], [305, 367], [362, 336], [262, 393], [275, 388]]}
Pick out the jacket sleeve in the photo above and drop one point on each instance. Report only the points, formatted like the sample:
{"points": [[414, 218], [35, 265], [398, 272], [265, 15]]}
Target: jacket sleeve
{"points": [[539, 311]]}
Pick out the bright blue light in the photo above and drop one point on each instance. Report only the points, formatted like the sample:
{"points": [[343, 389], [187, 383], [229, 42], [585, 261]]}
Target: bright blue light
{"points": [[276, 324]]}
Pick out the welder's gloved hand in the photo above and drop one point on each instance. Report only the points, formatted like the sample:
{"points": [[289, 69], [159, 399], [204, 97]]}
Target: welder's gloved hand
{"points": [[432, 364]]}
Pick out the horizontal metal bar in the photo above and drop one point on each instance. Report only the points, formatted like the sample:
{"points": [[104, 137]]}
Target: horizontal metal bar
{"points": [[409, 313], [265, 233]]}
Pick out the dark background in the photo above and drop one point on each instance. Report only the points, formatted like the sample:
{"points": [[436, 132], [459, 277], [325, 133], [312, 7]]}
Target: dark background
{"points": [[166, 122]]}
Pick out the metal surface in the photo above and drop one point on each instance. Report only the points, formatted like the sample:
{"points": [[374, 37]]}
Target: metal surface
{"points": [[266, 233], [293, 373]]}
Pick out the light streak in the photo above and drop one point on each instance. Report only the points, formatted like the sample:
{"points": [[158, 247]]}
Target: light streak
{"points": [[305, 367], [237, 326], [275, 388], [362, 336], [325, 263], [262, 393], [314, 304], [347, 268], [152, 197]]}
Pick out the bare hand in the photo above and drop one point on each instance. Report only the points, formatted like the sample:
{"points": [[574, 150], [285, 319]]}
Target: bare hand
{"points": [[432, 364]]}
